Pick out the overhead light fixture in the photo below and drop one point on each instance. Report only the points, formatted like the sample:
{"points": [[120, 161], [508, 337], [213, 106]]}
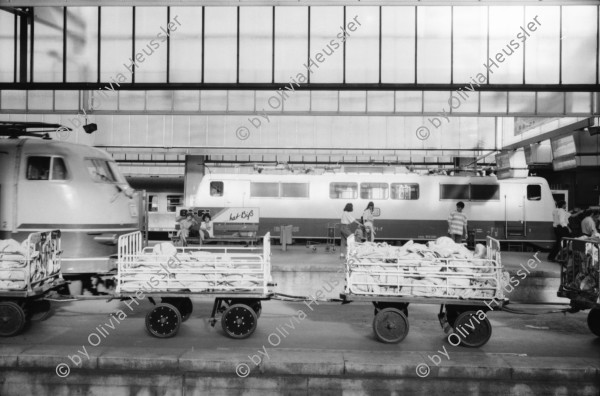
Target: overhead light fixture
{"points": [[90, 128]]}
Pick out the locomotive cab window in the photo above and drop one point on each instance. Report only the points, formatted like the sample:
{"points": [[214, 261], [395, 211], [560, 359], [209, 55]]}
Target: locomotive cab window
{"points": [[374, 191], [405, 191], [264, 190], [100, 170], [216, 188], [46, 168], [534, 192], [343, 190]]}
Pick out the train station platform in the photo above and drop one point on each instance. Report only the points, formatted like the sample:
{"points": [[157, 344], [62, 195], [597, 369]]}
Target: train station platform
{"points": [[26, 370]]}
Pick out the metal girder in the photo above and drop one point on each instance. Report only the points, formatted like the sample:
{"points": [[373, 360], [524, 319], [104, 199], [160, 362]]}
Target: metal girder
{"points": [[59, 86], [549, 131], [128, 3]]}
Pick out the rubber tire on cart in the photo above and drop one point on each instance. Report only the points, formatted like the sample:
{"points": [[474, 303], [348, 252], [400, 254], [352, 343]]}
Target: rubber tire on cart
{"points": [[39, 310], [12, 319], [184, 305], [476, 337], [593, 321], [239, 321], [163, 321], [381, 305], [390, 325]]}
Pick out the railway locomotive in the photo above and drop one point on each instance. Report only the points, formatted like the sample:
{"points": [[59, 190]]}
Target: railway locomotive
{"points": [[48, 184]]}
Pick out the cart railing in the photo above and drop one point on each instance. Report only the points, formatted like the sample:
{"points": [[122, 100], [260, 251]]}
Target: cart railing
{"points": [[477, 279], [38, 260], [580, 274], [193, 269]]}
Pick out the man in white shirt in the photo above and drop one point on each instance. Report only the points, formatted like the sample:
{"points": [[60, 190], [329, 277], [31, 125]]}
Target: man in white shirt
{"points": [[560, 218]]}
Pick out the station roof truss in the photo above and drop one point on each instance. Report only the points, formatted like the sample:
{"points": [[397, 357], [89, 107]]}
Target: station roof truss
{"points": [[169, 77]]}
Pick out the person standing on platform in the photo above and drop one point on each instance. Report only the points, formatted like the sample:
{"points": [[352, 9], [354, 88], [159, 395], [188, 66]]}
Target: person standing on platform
{"points": [[367, 218], [345, 231], [457, 223], [588, 225], [560, 221]]}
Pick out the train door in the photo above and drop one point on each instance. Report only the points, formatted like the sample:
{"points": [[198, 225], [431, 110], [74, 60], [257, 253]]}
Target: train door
{"points": [[514, 211]]}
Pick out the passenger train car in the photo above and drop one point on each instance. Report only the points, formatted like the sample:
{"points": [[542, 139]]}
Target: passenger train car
{"points": [[47, 184], [407, 206], [163, 196]]}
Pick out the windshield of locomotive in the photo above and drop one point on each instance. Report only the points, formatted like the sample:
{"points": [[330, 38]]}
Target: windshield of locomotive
{"points": [[104, 171]]}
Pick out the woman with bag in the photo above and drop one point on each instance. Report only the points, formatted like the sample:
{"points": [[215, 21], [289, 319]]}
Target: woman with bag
{"points": [[345, 230]]}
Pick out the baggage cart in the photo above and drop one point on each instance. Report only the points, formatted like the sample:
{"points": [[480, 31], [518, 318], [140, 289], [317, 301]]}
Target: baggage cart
{"points": [[465, 289], [28, 272], [237, 278], [580, 279]]}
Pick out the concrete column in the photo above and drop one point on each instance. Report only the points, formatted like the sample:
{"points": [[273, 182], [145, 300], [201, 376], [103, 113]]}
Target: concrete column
{"points": [[194, 172]]}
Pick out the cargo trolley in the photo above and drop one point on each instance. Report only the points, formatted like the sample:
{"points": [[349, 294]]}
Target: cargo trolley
{"points": [[237, 278], [580, 279], [28, 273], [465, 289]]}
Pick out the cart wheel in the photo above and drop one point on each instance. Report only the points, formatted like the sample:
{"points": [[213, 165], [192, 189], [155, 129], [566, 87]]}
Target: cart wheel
{"points": [[39, 310], [593, 321], [12, 318], [256, 307], [184, 305], [163, 321], [239, 321], [390, 325], [475, 337]]}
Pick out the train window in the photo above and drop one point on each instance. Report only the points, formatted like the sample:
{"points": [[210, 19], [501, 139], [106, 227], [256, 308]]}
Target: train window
{"points": [[534, 192], [294, 190], [216, 188], [100, 170], [173, 201], [485, 192], [374, 190], [454, 191], [38, 168], [343, 190], [115, 172], [264, 190], [59, 170], [405, 191], [152, 203]]}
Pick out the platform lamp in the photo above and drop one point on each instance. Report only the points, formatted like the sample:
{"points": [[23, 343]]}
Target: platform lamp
{"points": [[90, 128]]}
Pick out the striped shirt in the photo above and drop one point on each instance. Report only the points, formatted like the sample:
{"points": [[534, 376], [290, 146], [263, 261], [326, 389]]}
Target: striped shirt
{"points": [[457, 221]]}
